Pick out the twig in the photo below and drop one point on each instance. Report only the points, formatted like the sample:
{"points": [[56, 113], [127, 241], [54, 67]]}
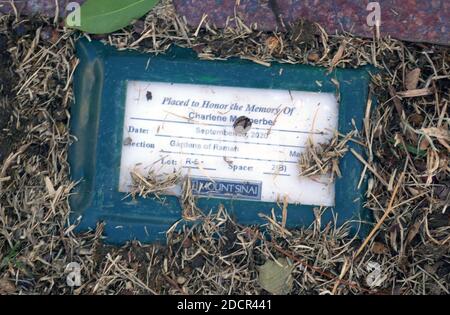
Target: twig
{"points": [[383, 218]]}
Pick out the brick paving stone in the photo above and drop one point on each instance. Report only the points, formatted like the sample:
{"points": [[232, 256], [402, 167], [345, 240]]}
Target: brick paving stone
{"points": [[411, 20]]}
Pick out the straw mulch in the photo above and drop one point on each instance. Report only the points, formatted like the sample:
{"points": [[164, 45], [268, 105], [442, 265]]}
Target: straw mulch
{"points": [[407, 145]]}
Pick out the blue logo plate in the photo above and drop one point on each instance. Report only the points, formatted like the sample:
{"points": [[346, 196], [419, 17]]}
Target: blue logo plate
{"points": [[225, 188]]}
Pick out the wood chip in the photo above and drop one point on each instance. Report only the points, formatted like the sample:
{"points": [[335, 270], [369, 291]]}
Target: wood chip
{"points": [[412, 79], [415, 93]]}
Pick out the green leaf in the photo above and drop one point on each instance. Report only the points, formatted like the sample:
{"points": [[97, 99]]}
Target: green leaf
{"points": [[276, 277], [107, 16]]}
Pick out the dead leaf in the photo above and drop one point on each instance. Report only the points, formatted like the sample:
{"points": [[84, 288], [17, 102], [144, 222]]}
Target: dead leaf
{"points": [[313, 57], [416, 119], [272, 43], [339, 54], [276, 277], [412, 79], [393, 236], [412, 232], [379, 249], [441, 134], [424, 144], [6, 287]]}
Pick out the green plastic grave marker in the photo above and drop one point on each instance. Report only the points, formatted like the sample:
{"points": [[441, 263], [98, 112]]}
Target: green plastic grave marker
{"points": [[235, 127]]}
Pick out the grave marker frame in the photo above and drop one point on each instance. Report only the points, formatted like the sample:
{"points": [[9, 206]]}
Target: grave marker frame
{"points": [[97, 122]]}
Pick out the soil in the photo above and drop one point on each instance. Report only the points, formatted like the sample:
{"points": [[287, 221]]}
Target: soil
{"points": [[5, 142], [11, 133], [5, 62], [7, 79]]}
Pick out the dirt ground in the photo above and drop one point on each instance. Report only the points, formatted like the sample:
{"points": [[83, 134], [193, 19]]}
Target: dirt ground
{"points": [[406, 139]]}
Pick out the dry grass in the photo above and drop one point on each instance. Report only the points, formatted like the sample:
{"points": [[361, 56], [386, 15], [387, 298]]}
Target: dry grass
{"points": [[323, 158], [153, 184], [406, 139]]}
